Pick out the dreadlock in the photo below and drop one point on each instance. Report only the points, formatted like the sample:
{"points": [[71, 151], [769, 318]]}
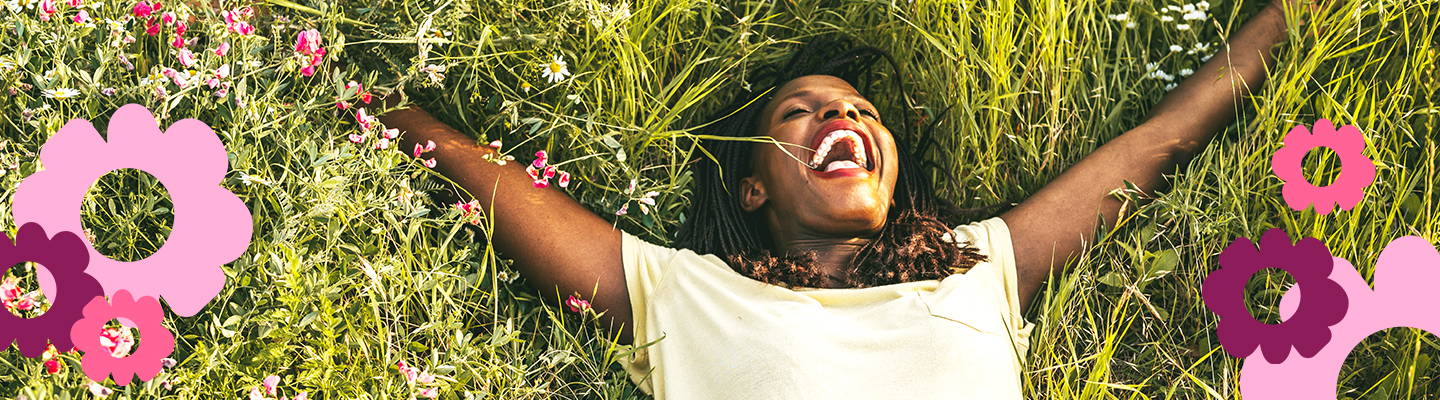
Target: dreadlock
{"points": [[913, 245]]}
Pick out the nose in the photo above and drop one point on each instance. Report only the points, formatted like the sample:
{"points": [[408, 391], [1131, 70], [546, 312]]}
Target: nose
{"points": [[840, 109]]}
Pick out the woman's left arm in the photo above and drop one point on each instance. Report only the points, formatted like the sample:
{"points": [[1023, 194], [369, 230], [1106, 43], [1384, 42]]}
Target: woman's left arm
{"points": [[1056, 223]]}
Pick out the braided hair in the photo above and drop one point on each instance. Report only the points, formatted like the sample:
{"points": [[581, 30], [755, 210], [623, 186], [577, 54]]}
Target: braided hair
{"points": [[913, 245]]}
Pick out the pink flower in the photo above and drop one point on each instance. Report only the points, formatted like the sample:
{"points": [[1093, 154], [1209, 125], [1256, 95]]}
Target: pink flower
{"points": [[76, 3], [181, 27], [425, 378], [343, 105], [81, 17], [187, 58], [168, 17], [429, 163], [178, 42], [270, 384], [564, 179], [52, 366], [410, 373], [540, 159], [576, 304], [367, 122], [308, 42], [152, 28], [142, 9], [223, 72], [624, 209], [428, 147], [47, 8], [356, 138], [255, 394], [24, 303], [391, 133], [302, 396], [495, 144], [429, 393], [382, 144], [168, 363], [235, 21], [222, 49], [308, 70]]}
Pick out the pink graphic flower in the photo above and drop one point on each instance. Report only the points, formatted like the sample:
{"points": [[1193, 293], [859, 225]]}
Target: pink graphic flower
{"points": [[147, 361], [61, 257], [1357, 171], [1309, 262], [211, 225]]}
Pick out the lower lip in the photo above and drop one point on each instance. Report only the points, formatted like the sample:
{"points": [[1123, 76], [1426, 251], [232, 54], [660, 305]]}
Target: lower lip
{"points": [[842, 173]]}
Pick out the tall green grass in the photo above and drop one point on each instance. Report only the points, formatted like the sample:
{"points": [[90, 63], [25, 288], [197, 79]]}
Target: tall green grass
{"points": [[348, 273]]}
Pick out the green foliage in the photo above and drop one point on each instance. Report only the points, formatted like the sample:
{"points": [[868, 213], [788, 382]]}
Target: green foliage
{"points": [[360, 261]]}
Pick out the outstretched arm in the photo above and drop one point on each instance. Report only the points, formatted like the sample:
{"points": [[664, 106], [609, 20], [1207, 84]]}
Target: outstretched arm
{"points": [[1056, 223], [556, 243]]}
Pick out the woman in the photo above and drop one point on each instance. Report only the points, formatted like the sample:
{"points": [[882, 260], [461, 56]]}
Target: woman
{"points": [[829, 206]]}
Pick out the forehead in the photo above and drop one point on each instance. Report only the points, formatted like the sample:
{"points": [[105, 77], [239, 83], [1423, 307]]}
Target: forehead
{"points": [[814, 85]]}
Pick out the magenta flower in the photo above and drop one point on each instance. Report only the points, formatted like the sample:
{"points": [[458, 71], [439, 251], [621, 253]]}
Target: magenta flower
{"points": [[181, 27], [235, 21], [178, 42], [367, 122], [81, 17], [151, 27], [429, 393], [541, 158], [168, 17], [142, 9], [410, 373], [577, 305], [564, 179], [429, 163], [426, 148], [222, 49], [391, 133], [356, 138], [47, 8], [307, 45]]}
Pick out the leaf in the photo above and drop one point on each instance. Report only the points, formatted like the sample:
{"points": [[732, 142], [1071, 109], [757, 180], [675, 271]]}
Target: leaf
{"points": [[1163, 263], [1113, 279]]}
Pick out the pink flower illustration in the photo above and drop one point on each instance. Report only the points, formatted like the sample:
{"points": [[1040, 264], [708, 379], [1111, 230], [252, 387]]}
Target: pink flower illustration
{"points": [[1357, 171], [147, 361]]}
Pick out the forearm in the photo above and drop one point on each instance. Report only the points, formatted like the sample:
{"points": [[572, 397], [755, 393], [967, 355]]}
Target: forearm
{"points": [[1189, 115]]}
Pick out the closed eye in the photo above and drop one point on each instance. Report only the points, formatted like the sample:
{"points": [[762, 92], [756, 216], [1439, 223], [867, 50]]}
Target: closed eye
{"points": [[869, 113], [794, 112]]}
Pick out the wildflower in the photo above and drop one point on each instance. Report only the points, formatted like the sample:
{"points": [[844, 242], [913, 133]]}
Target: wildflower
{"points": [[556, 70], [118, 341], [142, 9], [1120, 17], [1167, 18], [1187, 72], [109, 91], [152, 28], [436, 73], [307, 45], [564, 180], [235, 21], [1183, 27], [410, 373], [1169, 87], [382, 144], [255, 394], [181, 27], [428, 147], [47, 8], [168, 363], [496, 144], [301, 396], [52, 366], [1175, 48], [429, 393], [525, 86], [367, 122], [1130, 24], [647, 200], [222, 49], [99, 390], [624, 209], [540, 159], [168, 18], [61, 93], [391, 133], [577, 305], [270, 384], [187, 58], [631, 188], [356, 138], [81, 17]]}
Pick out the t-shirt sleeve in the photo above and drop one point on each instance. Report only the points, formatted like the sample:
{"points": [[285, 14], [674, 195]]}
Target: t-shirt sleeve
{"points": [[992, 238], [646, 266]]}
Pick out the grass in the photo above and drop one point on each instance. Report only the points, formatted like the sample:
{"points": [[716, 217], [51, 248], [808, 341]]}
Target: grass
{"points": [[349, 273]]}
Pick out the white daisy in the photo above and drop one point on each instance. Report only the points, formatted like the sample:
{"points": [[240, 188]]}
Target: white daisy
{"points": [[556, 70], [1183, 27], [1175, 48], [1167, 18], [61, 93]]}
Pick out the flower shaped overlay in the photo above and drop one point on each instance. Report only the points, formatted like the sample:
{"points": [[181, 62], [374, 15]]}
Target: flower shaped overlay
{"points": [[64, 257], [1405, 275], [1308, 330], [143, 313], [211, 225], [1356, 171]]}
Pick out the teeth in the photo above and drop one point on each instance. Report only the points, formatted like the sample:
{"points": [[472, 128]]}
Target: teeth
{"points": [[857, 149], [841, 164]]}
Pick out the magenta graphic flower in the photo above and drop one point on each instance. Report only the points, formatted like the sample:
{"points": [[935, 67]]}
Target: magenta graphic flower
{"points": [[1356, 171], [211, 226], [64, 256], [1308, 329], [143, 313]]}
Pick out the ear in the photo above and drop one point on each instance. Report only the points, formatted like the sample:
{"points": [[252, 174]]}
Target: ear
{"points": [[752, 193]]}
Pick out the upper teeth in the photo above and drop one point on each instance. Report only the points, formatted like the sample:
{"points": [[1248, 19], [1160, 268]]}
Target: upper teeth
{"points": [[857, 149]]}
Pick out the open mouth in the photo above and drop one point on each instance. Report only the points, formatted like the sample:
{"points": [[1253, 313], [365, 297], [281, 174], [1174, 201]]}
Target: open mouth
{"points": [[841, 149]]}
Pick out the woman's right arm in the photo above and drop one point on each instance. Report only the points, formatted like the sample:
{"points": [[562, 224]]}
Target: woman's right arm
{"points": [[557, 244]]}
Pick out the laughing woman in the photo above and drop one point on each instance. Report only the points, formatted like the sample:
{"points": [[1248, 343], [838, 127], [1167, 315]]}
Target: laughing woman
{"points": [[821, 265]]}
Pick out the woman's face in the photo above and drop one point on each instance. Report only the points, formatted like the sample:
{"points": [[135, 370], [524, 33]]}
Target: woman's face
{"points": [[838, 178]]}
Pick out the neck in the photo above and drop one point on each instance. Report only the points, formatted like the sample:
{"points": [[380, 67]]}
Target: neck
{"points": [[834, 255]]}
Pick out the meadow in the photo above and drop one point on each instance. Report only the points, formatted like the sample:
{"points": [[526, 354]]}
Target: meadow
{"points": [[360, 260]]}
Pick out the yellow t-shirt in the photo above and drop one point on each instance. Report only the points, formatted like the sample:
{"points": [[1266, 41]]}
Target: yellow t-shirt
{"points": [[707, 332]]}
